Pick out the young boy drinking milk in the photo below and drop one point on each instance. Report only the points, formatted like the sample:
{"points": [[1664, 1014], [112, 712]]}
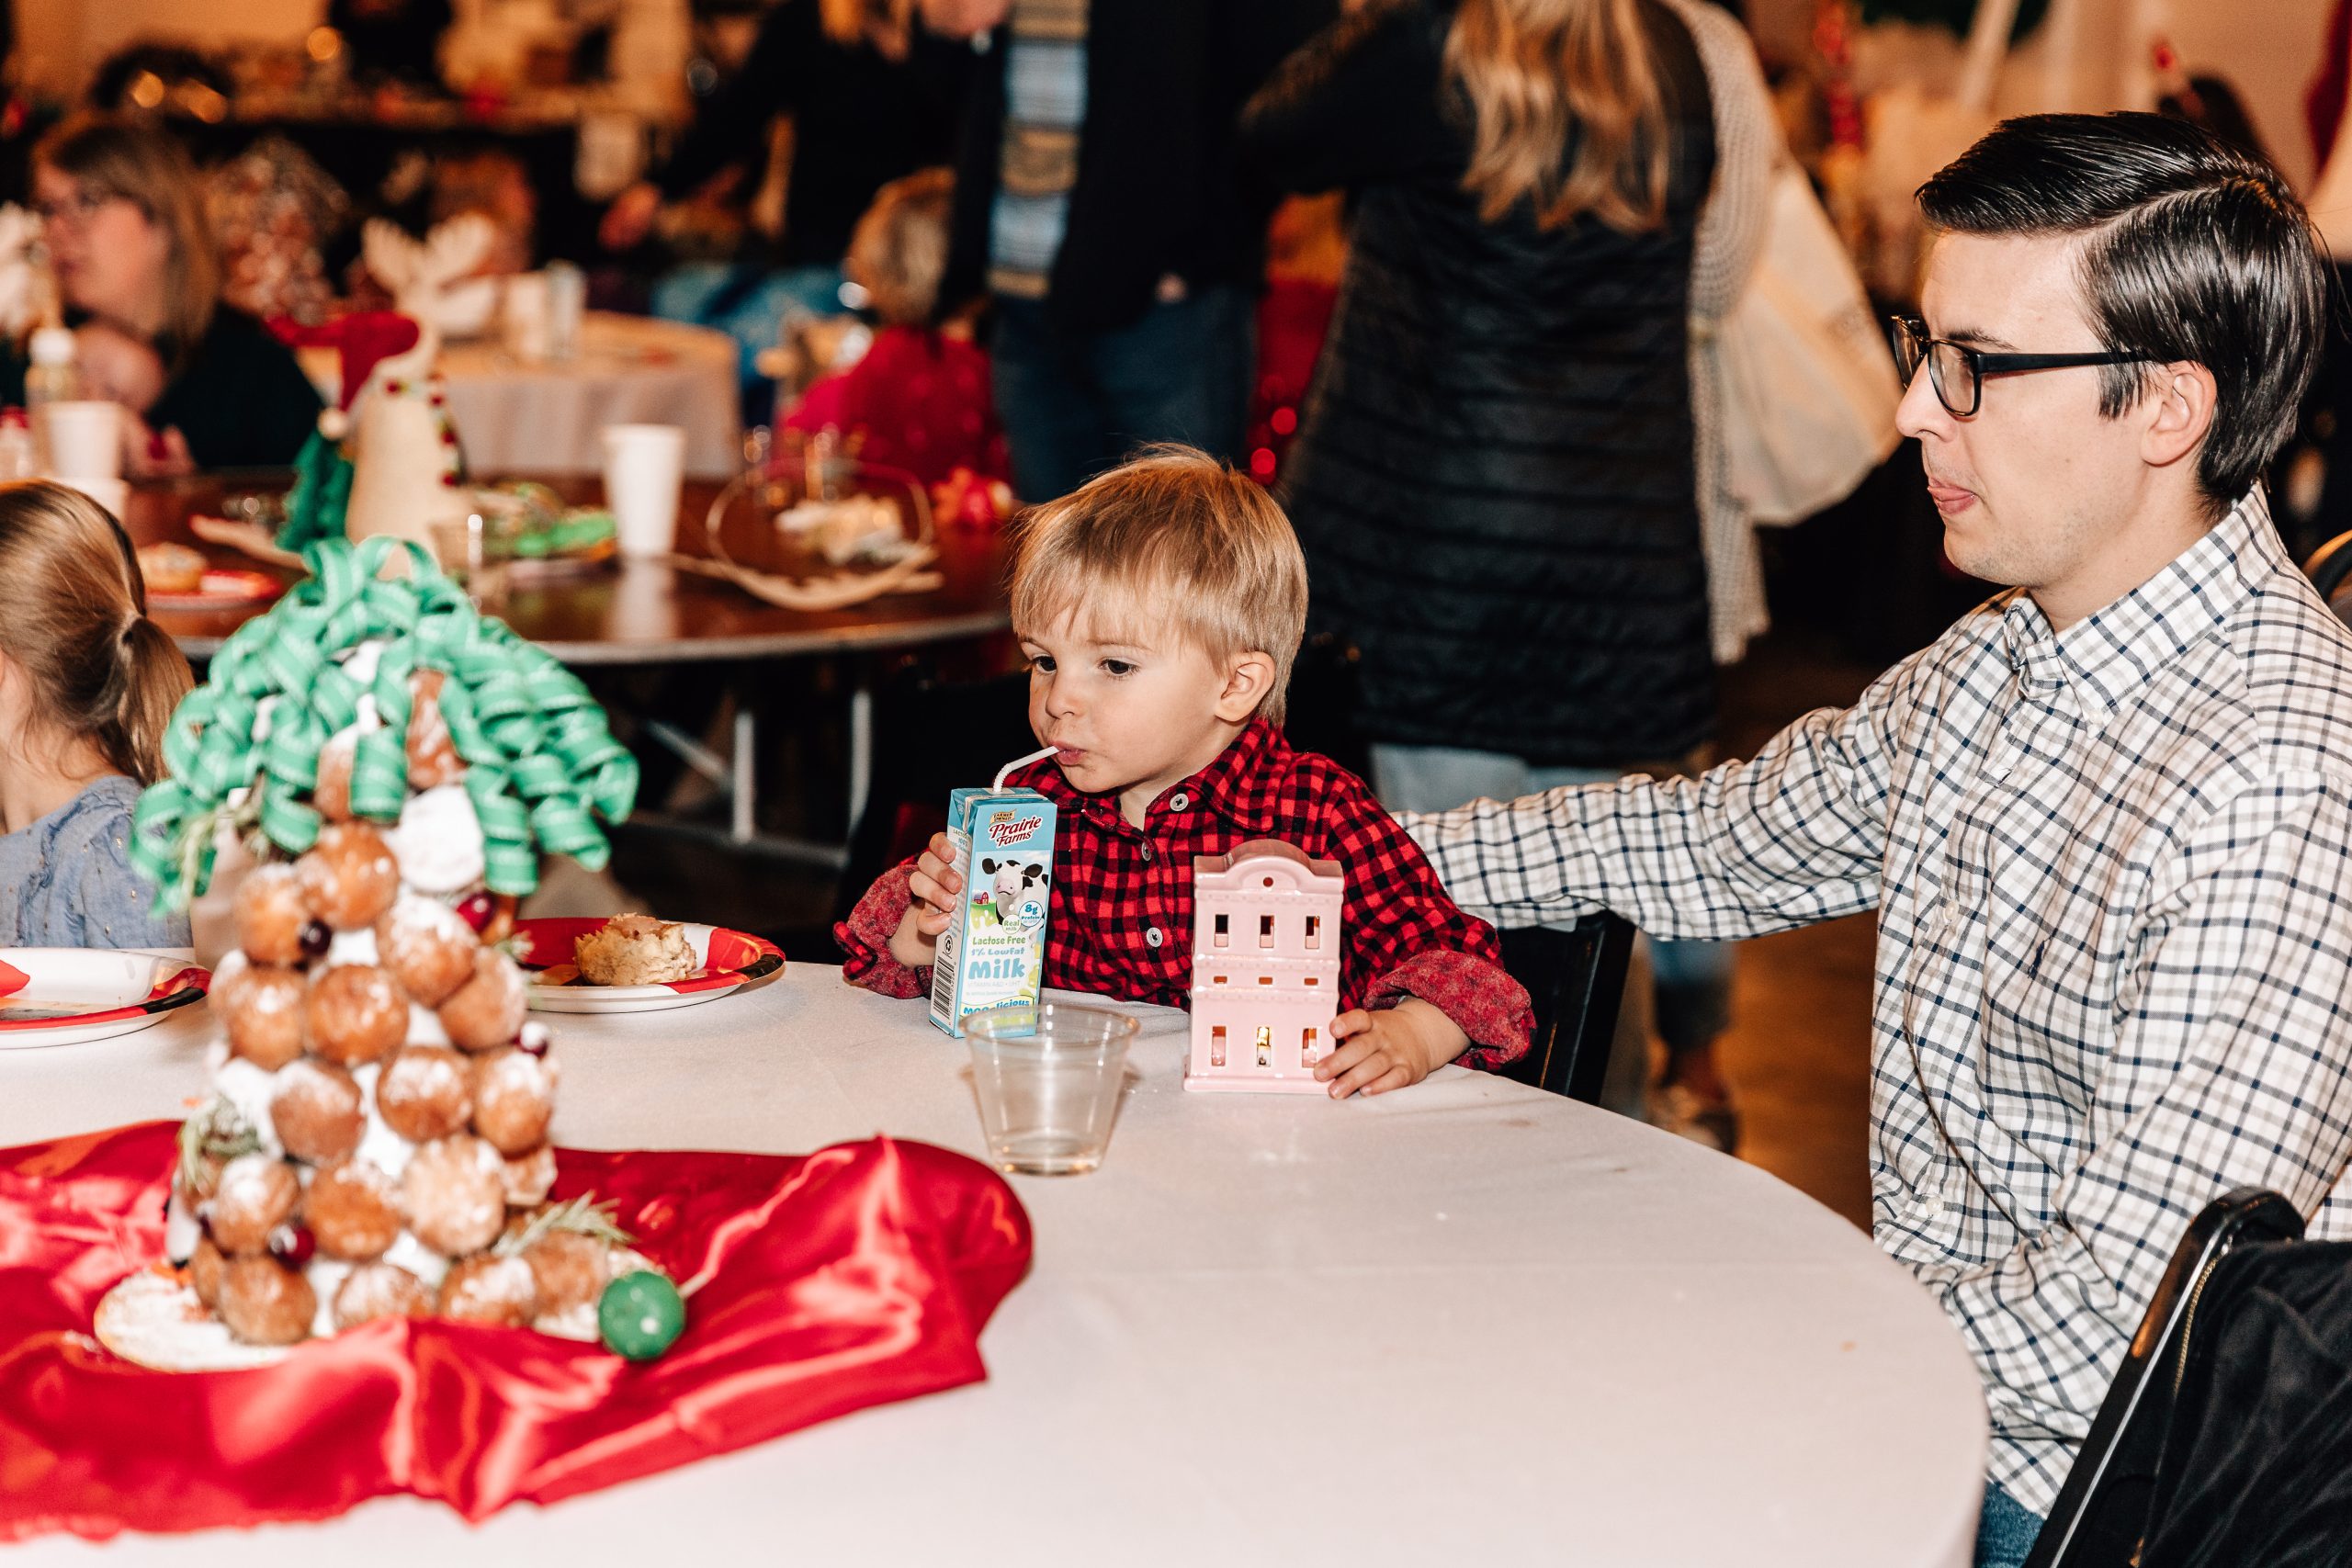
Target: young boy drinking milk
{"points": [[1160, 607]]}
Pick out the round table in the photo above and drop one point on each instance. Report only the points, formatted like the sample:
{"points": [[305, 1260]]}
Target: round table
{"points": [[637, 612], [1469, 1321], [550, 415]]}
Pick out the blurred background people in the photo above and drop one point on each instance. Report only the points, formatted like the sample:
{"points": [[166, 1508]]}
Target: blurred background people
{"points": [[873, 98], [1098, 204], [1494, 476], [122, 214]]}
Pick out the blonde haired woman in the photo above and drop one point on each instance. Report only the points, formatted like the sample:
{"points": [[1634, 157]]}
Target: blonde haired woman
{"points": [[1494, 480], [122, 214]]}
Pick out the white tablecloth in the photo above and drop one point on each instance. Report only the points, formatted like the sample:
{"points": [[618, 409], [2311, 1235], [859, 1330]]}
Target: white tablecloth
{"points": [[520, 417], [1466, 1323]]}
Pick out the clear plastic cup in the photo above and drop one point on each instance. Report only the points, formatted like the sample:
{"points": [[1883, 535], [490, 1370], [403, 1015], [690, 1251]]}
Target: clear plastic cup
{"points": [[1049, 1080]]}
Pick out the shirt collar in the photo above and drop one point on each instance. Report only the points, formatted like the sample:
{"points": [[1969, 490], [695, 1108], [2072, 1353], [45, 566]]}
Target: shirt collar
{"points": [[2101, 658], [1237, 785]]}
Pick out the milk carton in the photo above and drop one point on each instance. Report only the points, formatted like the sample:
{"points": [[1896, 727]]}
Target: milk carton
{"points": [[992, 954]]}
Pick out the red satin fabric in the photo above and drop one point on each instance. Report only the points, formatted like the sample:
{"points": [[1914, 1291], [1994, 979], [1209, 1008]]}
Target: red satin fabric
{"points": [[847, 1277]]}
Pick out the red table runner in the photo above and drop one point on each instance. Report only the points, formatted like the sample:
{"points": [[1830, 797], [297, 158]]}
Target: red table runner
{"points": [[847, 1277]]}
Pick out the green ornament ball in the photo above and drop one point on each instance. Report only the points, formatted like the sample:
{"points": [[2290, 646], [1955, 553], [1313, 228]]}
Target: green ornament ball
{"points": [[641, 1316]]}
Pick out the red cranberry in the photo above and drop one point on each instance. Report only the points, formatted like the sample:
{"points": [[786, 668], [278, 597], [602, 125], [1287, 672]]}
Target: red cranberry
{"points": [[315, 939], [204, 1218], [475, 910], [534, 1040], [292, 1244]]}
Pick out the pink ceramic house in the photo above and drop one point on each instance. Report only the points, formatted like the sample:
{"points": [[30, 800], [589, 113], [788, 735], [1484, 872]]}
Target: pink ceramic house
{"points": [[1265, 968]]}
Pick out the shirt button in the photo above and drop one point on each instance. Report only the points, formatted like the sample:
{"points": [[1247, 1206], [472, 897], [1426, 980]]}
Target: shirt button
{"points": [[1146, 854], [1151, 937], [1177, 801], [1928, 1207]]}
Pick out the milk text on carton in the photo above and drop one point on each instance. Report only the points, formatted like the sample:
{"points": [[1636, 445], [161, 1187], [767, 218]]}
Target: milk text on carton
{"points": [[992, 954]]}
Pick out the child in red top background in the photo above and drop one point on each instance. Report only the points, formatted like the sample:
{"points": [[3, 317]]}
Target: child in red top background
{"points": [[1160, 607], [919, 398]]}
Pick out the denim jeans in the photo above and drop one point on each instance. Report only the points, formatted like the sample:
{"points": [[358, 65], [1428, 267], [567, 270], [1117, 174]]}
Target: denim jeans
{"points": [[1690, 980], [1076, 404], [746, 302], [2005, 1530]]}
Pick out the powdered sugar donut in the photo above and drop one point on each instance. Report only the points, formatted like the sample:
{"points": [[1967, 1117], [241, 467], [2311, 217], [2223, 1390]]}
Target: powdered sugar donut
{"points": [[332, 794], [490, 1288], [379, 1289], [353, 1013], [514, 1098], [530, 1176], [454, 1193], [439, 841], [425, 1093], [264, 1302], [427, 946], [204, 1266], [568, 1269], [317, 1112], [487, 1011], [262, 1011], [433, 757], [353, 1210], [272, 916], [255, 1195], [349, 877]]}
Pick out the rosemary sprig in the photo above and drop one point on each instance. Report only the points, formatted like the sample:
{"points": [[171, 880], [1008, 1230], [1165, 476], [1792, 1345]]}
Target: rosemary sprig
{"points": [[580, 1216], [211, 1138]]}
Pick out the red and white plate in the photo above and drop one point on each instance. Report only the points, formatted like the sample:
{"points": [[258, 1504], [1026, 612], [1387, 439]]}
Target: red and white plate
{"points": [[725, 961], [64, 996], [228, 588]]}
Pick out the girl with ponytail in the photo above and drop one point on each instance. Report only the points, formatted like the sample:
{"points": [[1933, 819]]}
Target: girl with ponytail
{"points": [[87, 683]]}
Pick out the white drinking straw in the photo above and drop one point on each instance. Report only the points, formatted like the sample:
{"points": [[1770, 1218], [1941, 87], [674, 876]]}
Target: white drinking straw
{"points": [[1018, 763]]}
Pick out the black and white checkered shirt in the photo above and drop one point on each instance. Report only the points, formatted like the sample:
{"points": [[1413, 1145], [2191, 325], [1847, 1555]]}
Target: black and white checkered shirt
{"points": [[2113, 873]]}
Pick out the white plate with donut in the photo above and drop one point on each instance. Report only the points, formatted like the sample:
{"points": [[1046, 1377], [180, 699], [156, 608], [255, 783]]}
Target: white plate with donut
{"points": [[723, 960], [65, 996]]}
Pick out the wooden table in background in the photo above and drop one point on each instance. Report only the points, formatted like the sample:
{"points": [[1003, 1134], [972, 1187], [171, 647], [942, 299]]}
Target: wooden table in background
{"points": [[647, 612]]}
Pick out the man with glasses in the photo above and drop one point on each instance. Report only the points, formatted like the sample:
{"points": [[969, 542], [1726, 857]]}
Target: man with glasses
{"points": [[2105, 820]]}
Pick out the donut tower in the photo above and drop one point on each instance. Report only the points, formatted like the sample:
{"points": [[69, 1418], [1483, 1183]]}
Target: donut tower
{"points": [[391, 764]]}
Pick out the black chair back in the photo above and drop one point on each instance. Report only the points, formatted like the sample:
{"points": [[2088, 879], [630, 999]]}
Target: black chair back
{"points": [[2330, 570], [2102, 1511], [1576, 979]]}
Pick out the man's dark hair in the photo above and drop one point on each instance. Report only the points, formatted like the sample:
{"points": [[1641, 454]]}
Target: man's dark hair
{"points": [[2195, 251]]}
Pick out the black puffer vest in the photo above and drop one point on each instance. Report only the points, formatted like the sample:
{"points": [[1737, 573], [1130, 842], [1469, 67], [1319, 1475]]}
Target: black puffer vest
{"points": [[1494, 483]]}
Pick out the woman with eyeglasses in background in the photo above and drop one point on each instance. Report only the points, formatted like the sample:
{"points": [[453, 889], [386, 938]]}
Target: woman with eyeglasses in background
{"points": [[122, 215]]}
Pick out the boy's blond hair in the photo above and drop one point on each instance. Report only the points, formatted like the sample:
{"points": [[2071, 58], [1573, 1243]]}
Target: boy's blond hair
{"points": [[898, 252], [1176, 539]]}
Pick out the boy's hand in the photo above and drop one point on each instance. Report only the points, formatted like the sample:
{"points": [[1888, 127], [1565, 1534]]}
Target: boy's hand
{"points": [[1393, 1048], [936, 884]]}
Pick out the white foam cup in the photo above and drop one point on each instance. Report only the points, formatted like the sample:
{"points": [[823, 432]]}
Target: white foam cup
{"points": [[644, 467], [84, 439]]}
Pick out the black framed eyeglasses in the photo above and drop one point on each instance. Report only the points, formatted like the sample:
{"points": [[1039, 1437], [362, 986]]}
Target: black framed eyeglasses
{"points": [[1957, 371]]}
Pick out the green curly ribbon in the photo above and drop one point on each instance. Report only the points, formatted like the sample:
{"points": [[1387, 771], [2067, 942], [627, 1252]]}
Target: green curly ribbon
{"points": [[321, 494], [542, 766]]}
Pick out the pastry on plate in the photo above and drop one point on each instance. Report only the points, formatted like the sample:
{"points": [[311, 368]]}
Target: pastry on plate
{"points": [[171, 569], [634, 949]]}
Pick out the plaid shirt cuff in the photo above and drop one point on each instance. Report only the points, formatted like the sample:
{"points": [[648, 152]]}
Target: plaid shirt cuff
{"points": [[865, 936], [1482, 1001]]}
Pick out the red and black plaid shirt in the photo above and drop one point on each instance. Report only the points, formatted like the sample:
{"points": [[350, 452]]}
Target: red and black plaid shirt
{"points": [[1121, 920]]}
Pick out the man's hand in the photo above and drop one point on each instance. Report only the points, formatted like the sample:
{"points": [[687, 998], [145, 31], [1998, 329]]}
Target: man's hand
{"points": [[151, 454], [1393, 1048], [631, 217], [962, 18]]}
